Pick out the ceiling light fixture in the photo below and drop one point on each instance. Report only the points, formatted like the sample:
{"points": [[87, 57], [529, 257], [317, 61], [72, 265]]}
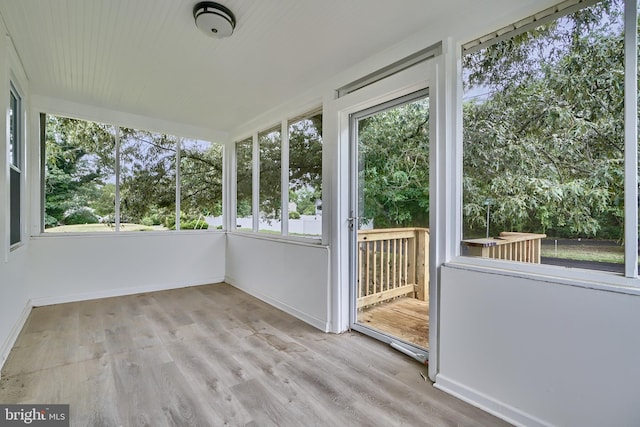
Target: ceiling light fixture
{"points": [[213, 19]]}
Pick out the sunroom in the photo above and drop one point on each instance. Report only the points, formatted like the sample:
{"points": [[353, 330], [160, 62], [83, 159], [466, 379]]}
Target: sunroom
{"points": [[406, 183]]}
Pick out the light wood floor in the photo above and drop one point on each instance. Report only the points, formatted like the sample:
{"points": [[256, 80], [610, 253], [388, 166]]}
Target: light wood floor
{"points": [[405, 318], [212, 356]]}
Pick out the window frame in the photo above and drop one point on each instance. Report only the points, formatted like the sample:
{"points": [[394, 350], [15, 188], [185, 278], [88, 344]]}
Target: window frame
{"points": [[250, 144], [259, 161], [15, 163], [593, 279], [118, 176], [286, 171], [283, 128]]}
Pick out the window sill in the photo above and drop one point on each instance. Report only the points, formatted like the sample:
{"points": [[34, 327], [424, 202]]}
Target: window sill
{"points": [[16, 246], [297, 240], [126, 234], [588, 279]]}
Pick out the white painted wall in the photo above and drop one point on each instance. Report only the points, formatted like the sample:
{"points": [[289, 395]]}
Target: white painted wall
{"points": [[289, 275], [539, 352], [71, 268], [14, 299], [14, 295]]}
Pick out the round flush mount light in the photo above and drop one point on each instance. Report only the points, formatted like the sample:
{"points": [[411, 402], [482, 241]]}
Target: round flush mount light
{"points": [[213, 19]]}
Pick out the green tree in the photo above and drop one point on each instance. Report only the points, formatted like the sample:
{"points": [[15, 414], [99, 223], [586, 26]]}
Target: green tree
{"points": [[545, 144], [79, 157], [201, 180], [393, 150]]}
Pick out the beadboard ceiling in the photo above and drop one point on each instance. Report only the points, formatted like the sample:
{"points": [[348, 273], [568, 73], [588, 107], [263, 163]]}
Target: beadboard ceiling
{"points": [[147, 57]]}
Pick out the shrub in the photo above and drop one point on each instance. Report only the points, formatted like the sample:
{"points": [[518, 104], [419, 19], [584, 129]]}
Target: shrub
{"points": [[194, 224], [147, 221], [81, 215], [50, 221], [294, 215]]}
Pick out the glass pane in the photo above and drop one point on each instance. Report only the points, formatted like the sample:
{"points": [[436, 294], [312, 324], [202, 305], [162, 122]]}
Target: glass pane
{"points": [[543, 143], [393, 236], [15, 233], [244, 184], [147, 180], [270, 181], [393, 176], [305, 176], [14, 127], [200, 185], [79, 176]]}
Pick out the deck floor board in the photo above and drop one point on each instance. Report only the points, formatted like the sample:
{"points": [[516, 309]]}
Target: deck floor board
{"points": [[405, 318]]}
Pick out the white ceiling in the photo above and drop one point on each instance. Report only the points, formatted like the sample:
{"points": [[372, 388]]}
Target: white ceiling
{"points": [[147, 57]]}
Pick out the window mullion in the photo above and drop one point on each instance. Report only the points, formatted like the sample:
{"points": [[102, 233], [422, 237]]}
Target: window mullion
{"points": [[631, 140], [255, 195], [284, 184], [117, 207], [178, 156]]}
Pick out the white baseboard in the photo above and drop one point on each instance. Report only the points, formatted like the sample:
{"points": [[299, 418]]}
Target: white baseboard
{"points": [[311, 320], [488, 404], [15, 331], [108, 293]]}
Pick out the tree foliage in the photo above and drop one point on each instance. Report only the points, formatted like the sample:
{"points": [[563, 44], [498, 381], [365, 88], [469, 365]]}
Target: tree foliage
{"points": [[79, 157], [393, 150], [544, 147], [81, 184], [305, 169]]}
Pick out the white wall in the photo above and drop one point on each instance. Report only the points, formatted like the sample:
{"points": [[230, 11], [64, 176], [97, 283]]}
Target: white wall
{"points": [[14, 299], [540, 352], [14, 295], [71, 268], [289, 275]]}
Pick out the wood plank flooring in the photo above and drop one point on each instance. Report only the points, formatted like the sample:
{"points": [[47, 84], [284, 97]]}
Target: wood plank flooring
{"points": [[405, 318], [213, 356]]}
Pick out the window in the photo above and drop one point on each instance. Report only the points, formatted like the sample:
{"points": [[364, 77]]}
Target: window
{"points": [[544, 142], [305, 176], [269, 143], [15, 166], [289, 192], [102, 179], [244, 184], [80, 180], [147, 180], [200, 184]]}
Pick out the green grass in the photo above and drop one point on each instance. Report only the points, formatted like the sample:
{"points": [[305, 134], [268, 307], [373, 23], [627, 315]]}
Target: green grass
{"points": [[100, 228], [586, 252]]}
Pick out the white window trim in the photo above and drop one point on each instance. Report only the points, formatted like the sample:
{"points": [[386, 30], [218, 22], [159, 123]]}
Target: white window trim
{"points": [[284, 184], [631, 139], [14, 89]]}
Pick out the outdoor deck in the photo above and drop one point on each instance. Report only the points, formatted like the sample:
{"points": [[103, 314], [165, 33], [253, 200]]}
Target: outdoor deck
{"points": [[393, 275], [405, 318]]}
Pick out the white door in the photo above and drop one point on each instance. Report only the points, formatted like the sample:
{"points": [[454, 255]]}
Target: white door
{"points": [[389, 222]]}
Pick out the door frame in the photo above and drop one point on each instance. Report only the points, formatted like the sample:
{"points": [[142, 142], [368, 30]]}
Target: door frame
{"points": [[439, 74], [442, 75], [354, 210]]}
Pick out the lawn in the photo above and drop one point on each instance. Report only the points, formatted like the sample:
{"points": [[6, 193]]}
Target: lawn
{"points": [[99, 228], [588, 251]]}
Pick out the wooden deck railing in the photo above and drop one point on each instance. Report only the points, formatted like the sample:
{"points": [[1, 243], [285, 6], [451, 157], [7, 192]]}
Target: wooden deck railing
{"points": [[392, 263], [511, 246]]}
